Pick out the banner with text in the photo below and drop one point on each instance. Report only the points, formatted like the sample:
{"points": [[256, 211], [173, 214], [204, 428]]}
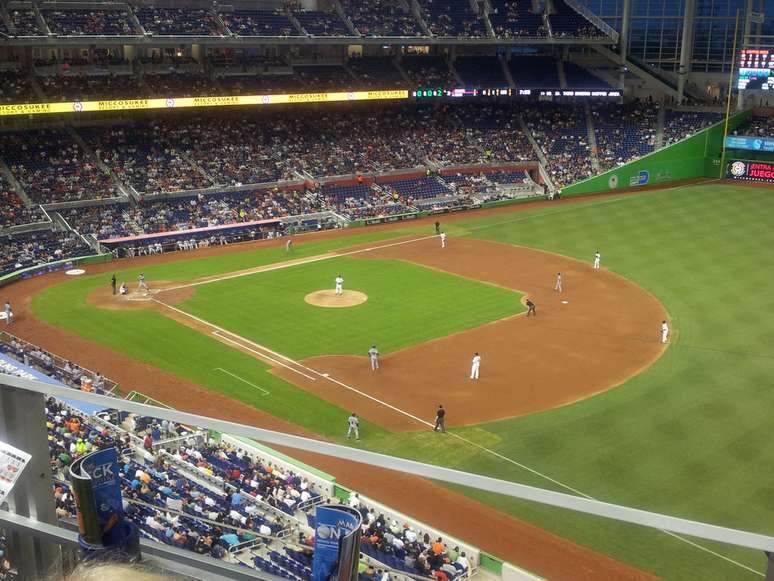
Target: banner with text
{"points": [[750, 171], [336, 543]]}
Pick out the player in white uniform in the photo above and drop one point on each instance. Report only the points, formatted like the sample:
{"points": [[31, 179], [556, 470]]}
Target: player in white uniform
{"points": [[8, 313], [339, 285], [354, 426], [289, 245], [443, 239], [373, 355], [558, 286], [475, 364], [597, 260], [664, 331]]}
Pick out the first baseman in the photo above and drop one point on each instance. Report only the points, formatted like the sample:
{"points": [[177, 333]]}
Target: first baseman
{"points": [[354, 427], [339, 285], [475, 364]]}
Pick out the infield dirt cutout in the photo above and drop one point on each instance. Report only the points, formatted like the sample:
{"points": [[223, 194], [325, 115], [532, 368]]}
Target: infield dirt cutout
{"points": [[329, 299]]}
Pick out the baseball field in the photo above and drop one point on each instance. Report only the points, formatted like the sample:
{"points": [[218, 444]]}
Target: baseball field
{"points": [[582, 398]]}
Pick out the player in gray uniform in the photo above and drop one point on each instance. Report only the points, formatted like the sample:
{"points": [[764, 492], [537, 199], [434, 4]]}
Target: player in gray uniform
{"points": [[354, 426], [8, 312], [558, 286], [373, 355]]}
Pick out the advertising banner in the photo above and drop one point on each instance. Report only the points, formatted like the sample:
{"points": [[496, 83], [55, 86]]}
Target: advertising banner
{"points": [[97, 494], [749, 142], [12, 462], [337, 535], [750, 171]]}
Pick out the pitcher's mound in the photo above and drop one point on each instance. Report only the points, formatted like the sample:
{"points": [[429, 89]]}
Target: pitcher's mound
{"points": [[329, 298]]}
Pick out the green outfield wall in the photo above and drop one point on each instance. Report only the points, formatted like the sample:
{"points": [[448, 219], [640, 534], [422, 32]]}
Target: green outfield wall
{"points": [[694, 157]]}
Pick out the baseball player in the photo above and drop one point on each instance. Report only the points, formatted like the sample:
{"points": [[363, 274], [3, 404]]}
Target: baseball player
{"points": [[443, 239], [373, 355], [474, 366], [339, 285], [289, 246], [113, 283], [8, 312], [440, 416], [558, 286], [597, 260], [354, 426], [141, 284], [664, 331], [531, 308]]}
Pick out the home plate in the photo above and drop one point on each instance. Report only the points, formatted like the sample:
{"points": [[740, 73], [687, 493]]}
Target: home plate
{"points": [[565, 302]]}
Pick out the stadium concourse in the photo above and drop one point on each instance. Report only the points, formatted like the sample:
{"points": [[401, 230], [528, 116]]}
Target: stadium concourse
{"points": [[157, 479]]}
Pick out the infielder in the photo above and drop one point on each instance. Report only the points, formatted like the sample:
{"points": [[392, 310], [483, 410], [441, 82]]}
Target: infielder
{"points": [[443, 239], [664, 331], [531, 308], [339, 285], [475, 364], [289, 245], [440, 415], [8, 312], [558, 286], [354, 427], [597, 260], [373, 355], [141, 284]]}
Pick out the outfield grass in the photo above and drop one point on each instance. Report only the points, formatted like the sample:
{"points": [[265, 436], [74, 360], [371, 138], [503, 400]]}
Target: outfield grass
{"points": [[690, 436], [407, 304]]}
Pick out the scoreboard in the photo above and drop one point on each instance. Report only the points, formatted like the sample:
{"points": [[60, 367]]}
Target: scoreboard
{"points": [[756, 69]]}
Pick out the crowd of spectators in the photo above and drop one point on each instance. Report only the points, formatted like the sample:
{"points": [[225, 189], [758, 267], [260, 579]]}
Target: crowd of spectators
{"points": [[561, 132], [321, 23], [39, 248], [376, 73], [13, 212], [25, 22], [680, 124], [624, 132], [428, 71], [52, 167], [92, 22], [178, 21], [452, 18], [91, 87], [103, 222], [381, 18], [514, 18], [565, 21], [258, 22], [757, 126], [7, 570], [181, 84], [14, 87]]}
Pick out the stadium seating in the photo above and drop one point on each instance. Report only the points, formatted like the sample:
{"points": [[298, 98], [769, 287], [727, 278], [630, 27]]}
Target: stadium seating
{"points": [[480, 71], [25, 22], [566, 22], [514, 18], [381, 18], [624, 132], [680, 124], [92, 22], [53, 168], [93, 87], [756, 126], [262, 84], [181, 84], [38, 248], [13, 212], [561, 132], [325, 77], [428, 71], [15, 88], [258, 22], [452, 18], [321, 23], [177, 21], [375, 73]]}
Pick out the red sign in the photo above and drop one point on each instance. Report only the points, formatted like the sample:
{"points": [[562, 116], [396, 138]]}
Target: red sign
{"points": [[751, 171]]}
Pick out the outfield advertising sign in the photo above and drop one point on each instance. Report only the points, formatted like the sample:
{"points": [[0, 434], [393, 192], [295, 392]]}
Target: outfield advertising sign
{"points": [[640, 179], [750, 143], [750, 171]]}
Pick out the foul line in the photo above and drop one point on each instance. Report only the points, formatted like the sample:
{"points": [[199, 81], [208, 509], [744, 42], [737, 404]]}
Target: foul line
{"points": [[261, 355], [299, 262], [242, 379]]}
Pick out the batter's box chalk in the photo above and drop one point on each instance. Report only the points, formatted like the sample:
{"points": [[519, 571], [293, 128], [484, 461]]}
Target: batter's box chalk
{"points": [[325, 374], [565, 302]]}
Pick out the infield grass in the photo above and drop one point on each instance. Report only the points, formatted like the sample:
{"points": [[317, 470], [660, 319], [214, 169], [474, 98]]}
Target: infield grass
{"points": [[691, 436]]}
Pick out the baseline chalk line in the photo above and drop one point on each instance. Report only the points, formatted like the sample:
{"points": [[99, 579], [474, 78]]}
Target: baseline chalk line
{"points": [[242, 379]]}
